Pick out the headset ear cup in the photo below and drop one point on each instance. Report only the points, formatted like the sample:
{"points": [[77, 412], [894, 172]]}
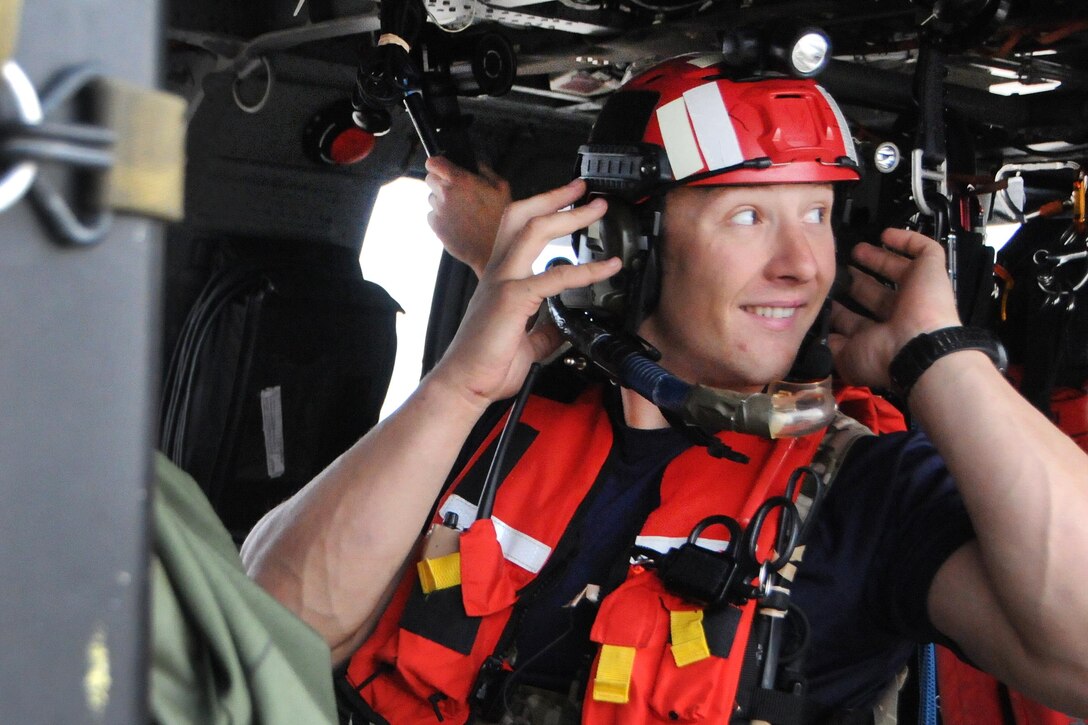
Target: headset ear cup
{"points": [[625, 231], [615, 235], [644, 288]]}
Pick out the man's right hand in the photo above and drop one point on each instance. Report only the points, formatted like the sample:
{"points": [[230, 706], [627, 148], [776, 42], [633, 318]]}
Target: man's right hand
{"points": [[496, 343]]}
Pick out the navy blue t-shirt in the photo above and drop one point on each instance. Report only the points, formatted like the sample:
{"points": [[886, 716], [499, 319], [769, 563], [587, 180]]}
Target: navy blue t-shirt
{"points": [[891, 519]]}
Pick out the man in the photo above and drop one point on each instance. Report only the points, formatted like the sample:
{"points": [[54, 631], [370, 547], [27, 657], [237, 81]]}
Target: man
{"points": [[746, 260]]}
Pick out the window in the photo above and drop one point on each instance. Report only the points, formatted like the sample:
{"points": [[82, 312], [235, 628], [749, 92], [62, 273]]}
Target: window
{"points": [[997, 235], [401, 253]]}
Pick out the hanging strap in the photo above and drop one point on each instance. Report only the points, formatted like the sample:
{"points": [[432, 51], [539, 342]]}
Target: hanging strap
{"points": [[10, 12], [147, 176]]}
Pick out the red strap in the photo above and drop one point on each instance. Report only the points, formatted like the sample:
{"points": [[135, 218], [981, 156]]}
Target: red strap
{"points": [[869, 409]]}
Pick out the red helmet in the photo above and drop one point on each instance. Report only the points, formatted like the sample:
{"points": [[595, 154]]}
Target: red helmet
{"points": [[717, 131]]}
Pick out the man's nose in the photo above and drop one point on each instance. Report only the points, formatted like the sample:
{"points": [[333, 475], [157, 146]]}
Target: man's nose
{"points": [[793, 256]]}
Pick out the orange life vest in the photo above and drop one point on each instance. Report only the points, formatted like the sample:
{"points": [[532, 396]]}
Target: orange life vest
{"points": [[658, 659]]}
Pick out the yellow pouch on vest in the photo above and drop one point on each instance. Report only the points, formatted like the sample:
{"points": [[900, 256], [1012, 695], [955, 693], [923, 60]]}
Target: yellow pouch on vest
{"points": [[441, 573], [613, 681], [688, 637]]}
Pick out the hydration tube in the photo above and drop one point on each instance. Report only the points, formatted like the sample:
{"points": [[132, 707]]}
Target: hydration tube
{"points": [[786, 410]]}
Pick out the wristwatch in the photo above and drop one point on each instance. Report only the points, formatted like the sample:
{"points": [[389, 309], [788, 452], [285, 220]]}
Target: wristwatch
{"points": [[929, 347]]}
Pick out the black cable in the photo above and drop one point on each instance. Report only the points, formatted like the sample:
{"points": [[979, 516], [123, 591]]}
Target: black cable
{"points": [[227, 453], [182, 360], [491, 482], [219, 290], [184, 403], [173, 369]]}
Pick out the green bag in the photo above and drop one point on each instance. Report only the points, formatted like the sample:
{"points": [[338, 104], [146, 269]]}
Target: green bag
{"points": [[223, 650]]}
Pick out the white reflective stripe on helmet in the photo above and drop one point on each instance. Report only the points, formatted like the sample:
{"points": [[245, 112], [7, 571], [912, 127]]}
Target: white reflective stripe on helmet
{"points": [[713, 128], [517, 547], [679, 139], [844, 129], [698, 133], [663, 544], [705, 60]]}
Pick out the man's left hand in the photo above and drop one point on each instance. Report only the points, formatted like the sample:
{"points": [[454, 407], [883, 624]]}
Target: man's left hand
{"points": [[918, 299]]}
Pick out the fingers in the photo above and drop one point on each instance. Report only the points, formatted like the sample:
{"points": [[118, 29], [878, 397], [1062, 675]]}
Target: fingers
{"points": [[544, 338], [845, 322], [907, 242], [441, 170], [563, 277], [871, 294], [528, 225], [886, 263]]}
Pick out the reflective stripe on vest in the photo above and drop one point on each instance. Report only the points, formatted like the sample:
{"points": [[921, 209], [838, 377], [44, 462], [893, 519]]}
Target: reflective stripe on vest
{"points": [[517, 547]]}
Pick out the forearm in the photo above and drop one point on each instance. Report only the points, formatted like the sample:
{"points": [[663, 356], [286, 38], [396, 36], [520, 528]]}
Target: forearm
{"points": [[331, 552], [1025, 485]]}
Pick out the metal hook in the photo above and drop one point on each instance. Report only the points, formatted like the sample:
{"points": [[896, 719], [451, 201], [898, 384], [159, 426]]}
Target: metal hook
{"points": [[59, 216], [246, 70], [18, 179], [1042, 257], [33, 141]]}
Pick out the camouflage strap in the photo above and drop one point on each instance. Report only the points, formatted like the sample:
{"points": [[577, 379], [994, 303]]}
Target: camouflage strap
{"points": [[536, 706]]}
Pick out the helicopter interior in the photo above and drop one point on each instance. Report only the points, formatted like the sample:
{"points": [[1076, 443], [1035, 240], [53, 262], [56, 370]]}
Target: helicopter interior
{"points": [[242, 339]]}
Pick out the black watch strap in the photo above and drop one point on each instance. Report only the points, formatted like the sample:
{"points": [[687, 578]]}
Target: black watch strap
{"points": [[922, 351]]}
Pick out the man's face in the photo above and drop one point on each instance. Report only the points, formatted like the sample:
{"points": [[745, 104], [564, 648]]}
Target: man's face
{"points": [[745, 270]]}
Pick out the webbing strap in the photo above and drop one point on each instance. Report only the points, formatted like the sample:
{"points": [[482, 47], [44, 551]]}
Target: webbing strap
{"points": [[147, 176], [439, 573], [688, 637], [613, 680], [10, 12]]}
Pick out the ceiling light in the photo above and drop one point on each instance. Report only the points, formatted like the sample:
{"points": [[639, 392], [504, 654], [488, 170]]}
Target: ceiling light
{"points": [[1016, 88]]}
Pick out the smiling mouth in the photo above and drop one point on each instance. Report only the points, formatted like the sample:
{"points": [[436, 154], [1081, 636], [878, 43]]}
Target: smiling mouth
{"points": [[774, 313]]}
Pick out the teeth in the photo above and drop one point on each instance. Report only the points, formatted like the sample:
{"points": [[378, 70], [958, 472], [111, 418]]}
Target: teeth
{"points": [[774, 312]]}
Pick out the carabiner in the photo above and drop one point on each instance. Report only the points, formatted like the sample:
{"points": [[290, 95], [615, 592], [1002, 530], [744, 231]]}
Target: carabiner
{"points": [[736, 534], [789, 530]]}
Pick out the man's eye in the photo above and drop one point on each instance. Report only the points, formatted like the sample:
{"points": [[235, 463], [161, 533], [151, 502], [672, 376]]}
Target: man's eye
{"points": [[746, 217], [816, 216]]}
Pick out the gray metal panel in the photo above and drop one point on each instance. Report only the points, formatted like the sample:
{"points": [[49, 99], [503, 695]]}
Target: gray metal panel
{"points": [[78, 373]]}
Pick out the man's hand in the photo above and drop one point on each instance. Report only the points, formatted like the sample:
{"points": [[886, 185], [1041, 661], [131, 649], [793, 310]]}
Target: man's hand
{"points": [[921, 300], [466, 209], [496, 343]]}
